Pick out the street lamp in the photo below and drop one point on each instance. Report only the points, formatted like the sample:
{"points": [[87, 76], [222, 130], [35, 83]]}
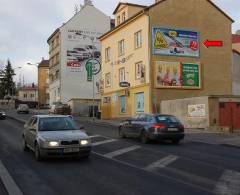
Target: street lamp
{"points": [[93, 99], [36, 65]]}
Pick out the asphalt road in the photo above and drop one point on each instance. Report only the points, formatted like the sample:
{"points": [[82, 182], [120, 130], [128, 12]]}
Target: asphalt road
{"points": [[123, 167]]}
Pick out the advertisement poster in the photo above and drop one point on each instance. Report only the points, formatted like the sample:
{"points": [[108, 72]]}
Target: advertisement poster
{"points": [[81, 46], [177, 75], [198, 110], [175, 42]]}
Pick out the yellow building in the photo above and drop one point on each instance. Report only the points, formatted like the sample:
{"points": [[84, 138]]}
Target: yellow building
{"points": [[159, 51], [43, 83]]}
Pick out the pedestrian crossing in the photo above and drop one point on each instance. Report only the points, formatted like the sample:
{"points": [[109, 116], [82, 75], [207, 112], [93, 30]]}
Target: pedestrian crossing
{"points": [[213, 179]]}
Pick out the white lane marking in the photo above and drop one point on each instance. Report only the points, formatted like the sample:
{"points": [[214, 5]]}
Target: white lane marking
{"points": [[8, 181], [162, 162], [121, 151], [103, 142], [229, 183]]}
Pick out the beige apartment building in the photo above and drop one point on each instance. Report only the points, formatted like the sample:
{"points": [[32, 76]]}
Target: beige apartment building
{"points": [[158, 50], [43, 83]]}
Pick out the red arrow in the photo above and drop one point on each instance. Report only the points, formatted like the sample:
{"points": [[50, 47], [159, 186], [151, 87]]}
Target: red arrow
{"points": [[208, 43]]}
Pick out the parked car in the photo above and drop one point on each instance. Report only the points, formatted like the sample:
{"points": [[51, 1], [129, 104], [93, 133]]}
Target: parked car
{"points": [[2, 115], [60, 108], [55, 136], [153, 127], [23, 108]]}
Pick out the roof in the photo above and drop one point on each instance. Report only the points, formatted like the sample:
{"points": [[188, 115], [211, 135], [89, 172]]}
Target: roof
{"points": [[52, 35], [146, 8], [236, 51], [235, 38], [52, 116], [130, 4], [44, 63]]}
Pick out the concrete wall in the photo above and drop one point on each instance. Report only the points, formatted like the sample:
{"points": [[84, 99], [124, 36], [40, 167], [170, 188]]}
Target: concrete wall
{"points": [[7, 104], [236, 73], [202, 17], [179, 108]]}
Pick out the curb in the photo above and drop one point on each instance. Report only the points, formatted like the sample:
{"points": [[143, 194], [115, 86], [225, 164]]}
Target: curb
{"points": [[231, 145]]}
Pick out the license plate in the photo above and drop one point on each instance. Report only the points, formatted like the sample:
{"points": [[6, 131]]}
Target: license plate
{"points": [[70, 150], [172, 129]]}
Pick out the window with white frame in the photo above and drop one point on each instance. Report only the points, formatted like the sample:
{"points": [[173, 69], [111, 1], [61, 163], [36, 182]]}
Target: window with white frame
{"points": [[121, 47], [118, 20], [139, 70], [107, 54], [138, 39], [108, 80], [123, 17], [122, 75]]}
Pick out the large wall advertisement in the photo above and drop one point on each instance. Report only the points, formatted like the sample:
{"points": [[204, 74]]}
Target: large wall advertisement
{"points": [[82, 46], [175, 42], [177, 75]]}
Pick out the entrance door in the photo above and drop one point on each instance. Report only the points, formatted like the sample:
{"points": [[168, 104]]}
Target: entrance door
{"points": [[229, 115]]}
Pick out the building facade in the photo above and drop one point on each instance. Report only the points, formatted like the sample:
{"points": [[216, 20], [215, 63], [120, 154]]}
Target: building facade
{"points": [[43, 83], [73, 48], [236, 42], [28, 95], [160, 52], [236, 73]]}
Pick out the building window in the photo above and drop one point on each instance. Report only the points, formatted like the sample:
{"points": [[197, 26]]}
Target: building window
{"points": [[122, 104], [118, 20], [57, 40], [121, 47], [139, 102], [57, 58], [123, 17], [122, 75], [32, 95], [108, 80], [24, 95], [139, 70], [57, 74], [138, 39], [107, 54]]}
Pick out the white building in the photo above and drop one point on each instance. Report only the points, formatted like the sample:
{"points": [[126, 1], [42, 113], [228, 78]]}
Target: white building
{"points": [[236, 72], [70, 50], [28, 94]]}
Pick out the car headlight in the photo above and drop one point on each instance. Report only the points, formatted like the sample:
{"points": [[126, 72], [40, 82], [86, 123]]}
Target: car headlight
{"points": [[84, 142], [53, 144]]}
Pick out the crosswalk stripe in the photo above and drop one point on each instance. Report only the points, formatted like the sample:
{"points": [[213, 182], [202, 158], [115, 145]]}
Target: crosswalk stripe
{"points": [[162, 162], [229, 183], [103, 142], [121, 151]]}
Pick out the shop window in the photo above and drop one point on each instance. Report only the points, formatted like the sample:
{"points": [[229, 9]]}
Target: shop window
{"points": [[139, 102], [122, 104]]}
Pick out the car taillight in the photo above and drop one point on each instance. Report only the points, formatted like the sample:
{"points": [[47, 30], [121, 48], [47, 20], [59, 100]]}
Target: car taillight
{"points": [[159, 126], [181, 127]]}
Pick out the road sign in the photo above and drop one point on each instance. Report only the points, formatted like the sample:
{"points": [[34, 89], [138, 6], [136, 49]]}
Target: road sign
{"points": [[124, 84]]}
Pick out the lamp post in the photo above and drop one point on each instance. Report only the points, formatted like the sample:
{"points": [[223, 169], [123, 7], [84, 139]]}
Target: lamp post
{"points": [[93, 89], [36, 65]]}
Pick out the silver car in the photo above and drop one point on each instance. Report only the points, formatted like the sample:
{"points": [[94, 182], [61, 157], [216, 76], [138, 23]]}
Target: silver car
{"points": [[55, 136]]}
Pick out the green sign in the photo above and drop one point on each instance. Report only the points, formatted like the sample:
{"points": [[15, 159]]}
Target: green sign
{"points": [[89, 71], [190, 75]]}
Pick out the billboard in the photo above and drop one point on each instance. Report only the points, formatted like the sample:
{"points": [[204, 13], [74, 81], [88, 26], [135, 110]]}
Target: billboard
{"points": [[81, 46], [174, 42], [198, 110], [177, 75]]}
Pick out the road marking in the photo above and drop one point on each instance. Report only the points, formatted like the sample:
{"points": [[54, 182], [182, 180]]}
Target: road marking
{"points": [[103, 142], [8, 181], [162, 162], [121, 151], [229, 183]]}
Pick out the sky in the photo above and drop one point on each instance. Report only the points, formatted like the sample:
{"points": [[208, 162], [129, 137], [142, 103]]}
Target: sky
{"points": [[25, 26]]}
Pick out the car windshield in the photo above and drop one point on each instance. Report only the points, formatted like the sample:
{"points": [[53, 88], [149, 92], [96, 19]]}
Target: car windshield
{"points": [[167, 119], [56, 124]]}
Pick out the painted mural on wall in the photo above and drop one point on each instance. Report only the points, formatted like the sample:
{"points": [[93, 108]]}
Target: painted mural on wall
{"points": [[81, 46], [175, 42], [177, 75]]}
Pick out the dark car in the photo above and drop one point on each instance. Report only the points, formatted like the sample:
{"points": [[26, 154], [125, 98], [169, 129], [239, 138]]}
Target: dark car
{"points": [[2, 115], [153, 127]]}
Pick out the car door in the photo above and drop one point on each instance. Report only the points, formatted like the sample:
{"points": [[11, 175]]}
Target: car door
{"points": [[26, 129], [130, 125], [137, 125], [33, 132]]}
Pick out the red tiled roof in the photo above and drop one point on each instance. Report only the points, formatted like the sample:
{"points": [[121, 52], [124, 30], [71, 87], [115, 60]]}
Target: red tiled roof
{"points": [[235, 38]]}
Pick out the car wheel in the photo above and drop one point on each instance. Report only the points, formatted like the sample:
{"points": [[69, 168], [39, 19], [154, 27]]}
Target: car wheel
{"points": [[121, 133], [144, 137], [37, 153], [24, 145], [176, 141]]}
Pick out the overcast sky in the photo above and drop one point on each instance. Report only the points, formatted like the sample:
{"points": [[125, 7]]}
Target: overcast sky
{"points": [[25, 26]]}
